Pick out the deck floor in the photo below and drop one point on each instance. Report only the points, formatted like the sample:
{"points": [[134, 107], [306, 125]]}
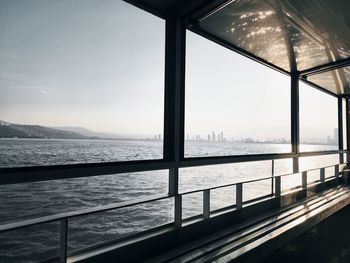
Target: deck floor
{"points": [[328, 242]]}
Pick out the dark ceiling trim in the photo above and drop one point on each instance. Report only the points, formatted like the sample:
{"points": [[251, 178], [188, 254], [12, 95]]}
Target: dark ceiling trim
{"points": [[148, 8], [326, 67]]}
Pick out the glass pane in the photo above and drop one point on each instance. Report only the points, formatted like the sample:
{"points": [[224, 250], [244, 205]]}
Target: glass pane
{"points": [[195, 178], [307, 30], [290, 182], [35, 199], [229, 112], [313, 162], [256, 189], [99, 228], [336, 81], [192, 205], [80, 89], [38, 243], [318, 120], [222, 197]]}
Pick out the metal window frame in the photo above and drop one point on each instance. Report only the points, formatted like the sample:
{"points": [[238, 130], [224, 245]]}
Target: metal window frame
{"points": [[174, 115]]}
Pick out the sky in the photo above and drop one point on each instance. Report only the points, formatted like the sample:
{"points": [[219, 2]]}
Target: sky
{"points": [[100, 65]]}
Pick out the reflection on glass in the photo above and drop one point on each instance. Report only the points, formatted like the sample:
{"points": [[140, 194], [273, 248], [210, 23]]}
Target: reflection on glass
{"points": [[277, 31], [76, 83], [336, 81], [233, 104], [318, 120]]}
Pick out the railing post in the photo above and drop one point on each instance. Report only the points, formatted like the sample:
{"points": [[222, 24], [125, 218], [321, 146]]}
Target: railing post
{"points": [[272, 175], [278, 186], [340, 128], [63, 240], [336, 170], [173, 181], [206, 203], [322, 175], [239, 196], [178, 211], [304, 180]]}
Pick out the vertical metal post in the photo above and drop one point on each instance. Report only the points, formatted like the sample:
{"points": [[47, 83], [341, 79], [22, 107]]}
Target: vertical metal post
{"points": [[347, 129], [278, 186], [295, 137], [322, 175], [336, 171], [63, 240], [340, 129], [178, 211], [206, 203], [174, 95], [173, 181], [239, 196], [272, 175], [174, 105], [304, 180]]}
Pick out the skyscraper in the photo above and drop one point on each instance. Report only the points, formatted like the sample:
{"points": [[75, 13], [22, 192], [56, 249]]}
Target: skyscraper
{"points": [[213, 137]]}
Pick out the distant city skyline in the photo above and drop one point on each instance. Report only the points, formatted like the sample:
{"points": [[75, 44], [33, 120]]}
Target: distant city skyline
{"points": [[64, 63]]}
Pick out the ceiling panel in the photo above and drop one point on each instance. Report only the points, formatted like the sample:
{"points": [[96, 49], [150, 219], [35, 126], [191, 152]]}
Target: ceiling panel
{"points": [[292, 34], [336, 81]]}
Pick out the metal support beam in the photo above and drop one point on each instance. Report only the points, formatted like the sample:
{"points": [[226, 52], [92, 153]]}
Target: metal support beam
{"points": [[326, 67], [272, 175], [206, 203], [178, 211], [347, 128], [278, 186], [239, 196], [174, 111], [295, 138], [304, 180], [340, 129], [173, 185], [63, 240], [322, 175], [336, 170]]}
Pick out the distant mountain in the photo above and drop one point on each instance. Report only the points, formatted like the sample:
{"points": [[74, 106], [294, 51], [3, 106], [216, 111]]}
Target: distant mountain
{"points": [[11, 130], [89, 133]]}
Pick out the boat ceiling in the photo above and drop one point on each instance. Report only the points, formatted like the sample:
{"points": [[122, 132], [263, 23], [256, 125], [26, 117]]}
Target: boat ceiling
{"points": [[308, 38]]}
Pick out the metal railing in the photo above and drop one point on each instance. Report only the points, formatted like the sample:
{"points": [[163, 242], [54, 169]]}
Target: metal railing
{"points": [[276, 191]]}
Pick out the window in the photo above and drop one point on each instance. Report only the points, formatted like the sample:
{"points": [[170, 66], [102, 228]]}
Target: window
{"points": [[318, 120], [76, 83], [233, 105]]}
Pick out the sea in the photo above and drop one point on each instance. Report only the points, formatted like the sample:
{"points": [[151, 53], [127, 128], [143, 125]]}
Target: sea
{"points": [[31, 200]]}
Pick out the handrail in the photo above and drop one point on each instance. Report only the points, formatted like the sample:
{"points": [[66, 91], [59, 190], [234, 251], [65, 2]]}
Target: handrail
{"points": [[254, 180], [104, 208], [63, 218], [77, 213], [14, 175]]}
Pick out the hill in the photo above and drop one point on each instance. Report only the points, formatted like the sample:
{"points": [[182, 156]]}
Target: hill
{"points": [[10, 130]]}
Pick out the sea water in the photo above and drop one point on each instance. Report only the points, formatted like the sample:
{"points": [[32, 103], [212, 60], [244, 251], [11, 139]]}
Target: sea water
{"points": [[30, 200]]}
